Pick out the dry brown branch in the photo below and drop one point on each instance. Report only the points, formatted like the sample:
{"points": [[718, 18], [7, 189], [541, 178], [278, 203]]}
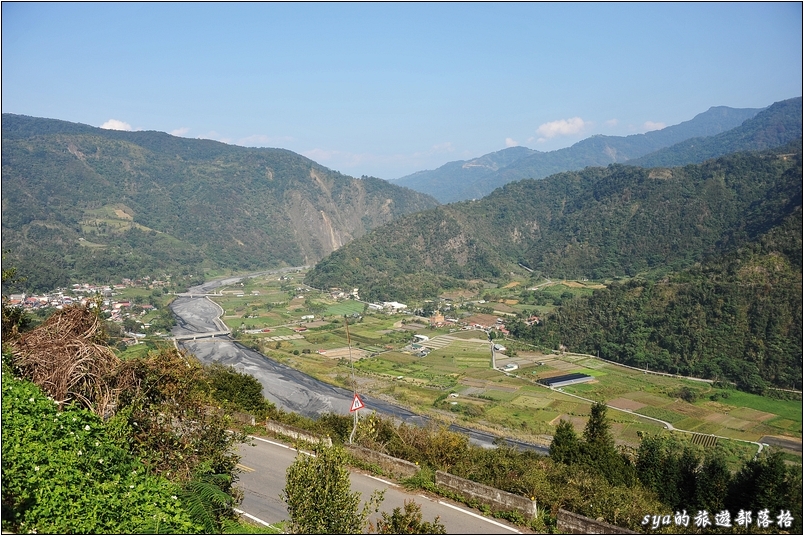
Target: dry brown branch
{"points": [[66, 358]]}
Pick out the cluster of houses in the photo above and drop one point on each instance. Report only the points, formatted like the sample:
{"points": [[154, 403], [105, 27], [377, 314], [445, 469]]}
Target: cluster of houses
{"points": [[437, 320], [339, 294], [83, 294]]}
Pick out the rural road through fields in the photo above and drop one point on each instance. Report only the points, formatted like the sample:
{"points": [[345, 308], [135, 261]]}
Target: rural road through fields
{"points": [[262, 479]]}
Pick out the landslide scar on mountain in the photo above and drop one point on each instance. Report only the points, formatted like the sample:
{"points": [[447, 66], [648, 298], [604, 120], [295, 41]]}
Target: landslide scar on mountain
{"points": [[334, 242]]}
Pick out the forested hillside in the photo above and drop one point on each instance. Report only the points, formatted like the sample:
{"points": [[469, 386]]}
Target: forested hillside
{"points": [[84, 202], [595, 223], [736, 317], [473, 179]]}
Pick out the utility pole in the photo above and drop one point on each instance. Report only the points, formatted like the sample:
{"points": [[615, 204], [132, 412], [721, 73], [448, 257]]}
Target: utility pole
{"points": [[493, 357]]}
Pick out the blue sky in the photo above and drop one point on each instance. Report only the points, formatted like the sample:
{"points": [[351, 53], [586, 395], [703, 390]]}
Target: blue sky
{"points": [[386, 89]]}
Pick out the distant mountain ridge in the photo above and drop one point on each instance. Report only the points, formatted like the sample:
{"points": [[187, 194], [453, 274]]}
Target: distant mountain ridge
{"points": [[597, 223], [80, 201], [476, 178], [772, 127]]}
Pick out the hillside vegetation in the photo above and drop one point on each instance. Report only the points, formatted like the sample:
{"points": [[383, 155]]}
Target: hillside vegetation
{"points": [[737, 317], [595, 223], [716, 132], [96, 444], [84, 202]]}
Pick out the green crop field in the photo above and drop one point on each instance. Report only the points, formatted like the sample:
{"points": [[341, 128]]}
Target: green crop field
{"points": [[790, 409], [661, 414], [347, 307]]}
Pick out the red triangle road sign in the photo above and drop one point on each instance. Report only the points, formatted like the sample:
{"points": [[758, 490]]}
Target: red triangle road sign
{"points": [[357, 404]]}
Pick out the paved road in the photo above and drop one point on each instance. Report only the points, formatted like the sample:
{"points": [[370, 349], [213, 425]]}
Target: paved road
{"points": [[286, 387], [263, 466]]}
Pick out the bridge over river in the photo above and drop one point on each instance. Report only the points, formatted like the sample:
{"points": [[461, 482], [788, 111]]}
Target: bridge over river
{"points": [[196, 336]]}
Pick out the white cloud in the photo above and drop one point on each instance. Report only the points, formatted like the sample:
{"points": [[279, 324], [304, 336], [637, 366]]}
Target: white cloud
{"points": [[116, 124], [612, 123], [562, 127], [653, 125], [180, 131], [509, 142]]}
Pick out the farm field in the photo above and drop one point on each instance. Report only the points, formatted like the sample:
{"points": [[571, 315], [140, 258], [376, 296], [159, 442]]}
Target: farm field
{"points": [[449, 376]]}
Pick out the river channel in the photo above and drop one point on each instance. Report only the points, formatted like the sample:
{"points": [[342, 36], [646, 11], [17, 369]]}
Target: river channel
{"points": [[288, 388]]}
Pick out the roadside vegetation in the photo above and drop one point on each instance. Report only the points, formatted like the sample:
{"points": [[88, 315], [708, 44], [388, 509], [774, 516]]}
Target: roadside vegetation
{"points": [[96, 444], [588, 474]]}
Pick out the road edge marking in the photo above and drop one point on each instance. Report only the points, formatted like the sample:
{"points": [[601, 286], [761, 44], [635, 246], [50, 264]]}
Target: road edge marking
{"points": [[394, 484], [478, 516], [254, 518], [283, 446], [271, 442]]}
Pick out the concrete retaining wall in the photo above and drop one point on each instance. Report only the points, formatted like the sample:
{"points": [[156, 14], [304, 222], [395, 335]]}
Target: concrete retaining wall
{"points": [[237, 416], [295, 433], [496, 499], [244, 418], [389, 464], [571, 523]]}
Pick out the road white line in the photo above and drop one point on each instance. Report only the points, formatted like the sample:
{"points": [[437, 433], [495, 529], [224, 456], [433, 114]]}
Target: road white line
{"points": [[271, 442], [383, 481], [283, 446], [257, 519], [478, 516]]}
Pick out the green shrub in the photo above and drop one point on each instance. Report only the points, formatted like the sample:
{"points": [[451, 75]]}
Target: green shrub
{"points": [[236, 390], [63, 474], [408, 521], [319, 497]]}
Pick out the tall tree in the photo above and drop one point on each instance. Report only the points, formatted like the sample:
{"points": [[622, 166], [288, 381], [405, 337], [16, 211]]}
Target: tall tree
{"points": [[565, 447], [597, 433], [766, 483], [712, 485], [599, 453]]}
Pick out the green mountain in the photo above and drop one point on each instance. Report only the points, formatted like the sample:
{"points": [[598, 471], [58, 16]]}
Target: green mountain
{"points": [[774, 126], [84, 202], [473, 179], [735, 317], [595, 223]]}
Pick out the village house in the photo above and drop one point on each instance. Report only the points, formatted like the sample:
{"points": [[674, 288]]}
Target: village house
{"points": [[394, 306], [437, 320]]}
